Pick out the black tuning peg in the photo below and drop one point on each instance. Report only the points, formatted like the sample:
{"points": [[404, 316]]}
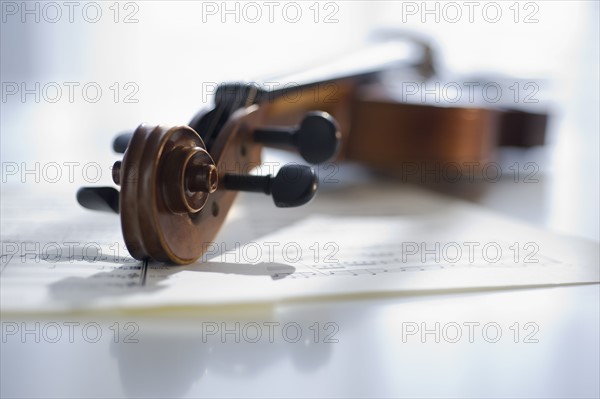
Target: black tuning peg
{"points": [[121, 142], [294, 185], [317, 138], [99, 198]]}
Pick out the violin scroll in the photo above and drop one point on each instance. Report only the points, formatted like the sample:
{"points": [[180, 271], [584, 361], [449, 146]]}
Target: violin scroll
{"points": [[175, 193]]}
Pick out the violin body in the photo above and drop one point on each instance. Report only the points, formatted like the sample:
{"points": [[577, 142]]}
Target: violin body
{"points": [[392, 136]]}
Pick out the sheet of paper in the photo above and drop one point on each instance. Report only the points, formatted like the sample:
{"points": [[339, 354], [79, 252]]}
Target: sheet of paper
{"points": [[72, 259]]}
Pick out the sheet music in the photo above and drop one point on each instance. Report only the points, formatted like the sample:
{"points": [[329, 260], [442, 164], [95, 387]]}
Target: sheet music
{"points": [[73, 259]]}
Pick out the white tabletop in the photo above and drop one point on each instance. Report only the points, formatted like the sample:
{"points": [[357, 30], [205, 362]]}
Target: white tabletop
{"points": [[526, 343]]}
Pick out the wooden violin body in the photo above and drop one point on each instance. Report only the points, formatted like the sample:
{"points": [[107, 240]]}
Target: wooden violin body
{"points": [[380, 132]]}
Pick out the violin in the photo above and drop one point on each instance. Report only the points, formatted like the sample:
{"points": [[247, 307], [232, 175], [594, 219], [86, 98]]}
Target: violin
{"points": [[178, 183]]}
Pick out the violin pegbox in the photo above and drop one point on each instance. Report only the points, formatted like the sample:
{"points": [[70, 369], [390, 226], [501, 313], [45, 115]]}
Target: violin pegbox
{"points": [[175, 193]]}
